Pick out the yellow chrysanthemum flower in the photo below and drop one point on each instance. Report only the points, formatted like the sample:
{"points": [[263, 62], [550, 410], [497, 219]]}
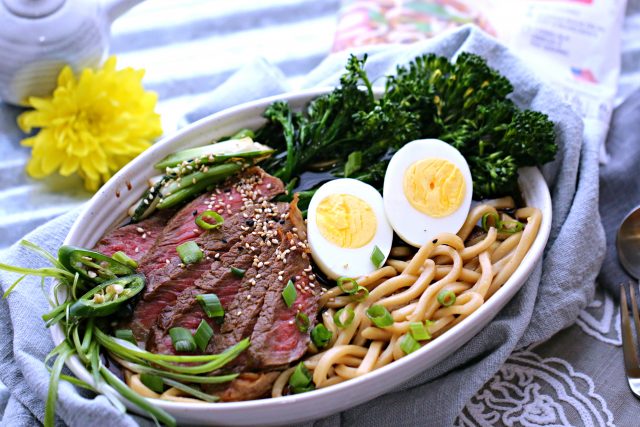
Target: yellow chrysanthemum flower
{"points": [[93, 125]]}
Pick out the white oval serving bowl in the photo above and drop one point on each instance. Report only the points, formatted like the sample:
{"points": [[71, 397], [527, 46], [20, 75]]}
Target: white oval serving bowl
{"points": [[108, 208]]}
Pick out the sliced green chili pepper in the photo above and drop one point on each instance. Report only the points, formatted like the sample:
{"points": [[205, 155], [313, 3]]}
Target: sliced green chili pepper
{"points": [[93, 266], [106, 298]]}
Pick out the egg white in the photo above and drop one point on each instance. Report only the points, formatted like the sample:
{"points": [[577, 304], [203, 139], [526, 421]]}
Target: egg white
{"points": [[333, 260], [413, 226]]}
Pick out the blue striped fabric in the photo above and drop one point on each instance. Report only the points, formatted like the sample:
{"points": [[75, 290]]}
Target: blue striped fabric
{"points": [[188, 48]]}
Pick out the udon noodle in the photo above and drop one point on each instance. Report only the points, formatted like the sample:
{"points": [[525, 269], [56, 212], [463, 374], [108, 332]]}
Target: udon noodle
{"points": [[473, 267]]}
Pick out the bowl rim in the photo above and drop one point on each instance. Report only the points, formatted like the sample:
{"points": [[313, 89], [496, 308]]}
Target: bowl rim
{"points": [[529, 176]]}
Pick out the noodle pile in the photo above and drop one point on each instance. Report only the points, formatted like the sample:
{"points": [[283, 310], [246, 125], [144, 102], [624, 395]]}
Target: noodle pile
{"points": [[473, 267]]}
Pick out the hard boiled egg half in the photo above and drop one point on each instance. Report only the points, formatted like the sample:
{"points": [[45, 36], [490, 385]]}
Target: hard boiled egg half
{"points": [[427, 190], [345, 225]]}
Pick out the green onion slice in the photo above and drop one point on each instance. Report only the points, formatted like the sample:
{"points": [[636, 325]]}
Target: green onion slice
{"points": [[490, 216], [446, 298], [302, 321], [207, 225], [354, 163], [409, 344], [377, 257], [126, 334], [301, 380], [238, 272], [337, 318], [182, 340], [203, 335], [123, 258], [190, 252], [361, 294], [211, 305], [419, 331], [289, 294], [153, 382], [348, 285], [320, 335], [380, 316], [515, 227]]}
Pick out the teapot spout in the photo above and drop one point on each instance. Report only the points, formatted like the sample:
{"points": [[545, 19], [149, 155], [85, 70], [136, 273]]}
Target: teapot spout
{"points": [[115, 8]]}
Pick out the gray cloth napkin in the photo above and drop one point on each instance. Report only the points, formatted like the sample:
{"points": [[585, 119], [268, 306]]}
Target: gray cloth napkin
{"points": [[560, 286], [620, 184]]}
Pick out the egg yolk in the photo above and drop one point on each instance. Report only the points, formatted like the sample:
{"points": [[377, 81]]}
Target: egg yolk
{"points": [[346, 221], [435, 187]]}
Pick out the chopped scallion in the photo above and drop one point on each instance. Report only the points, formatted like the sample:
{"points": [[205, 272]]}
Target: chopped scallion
{"points": [[238, 272], [348, 285], [490, 216], [182, 340], [361, 294], [514, 227], [301, 380], [446, 298], [302, 321], [289, 294], [123, 258], [153, 382], [377, 257], [201, 220], [203, 335], [320, 335], [190, 252], [211, 305], [345, 312], [419, 331], [380, 316], [127, 335], [354, 163], [409, 344]]}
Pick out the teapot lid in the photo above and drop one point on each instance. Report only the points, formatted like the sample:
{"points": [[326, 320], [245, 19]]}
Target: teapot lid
{"points": [[33, 8]]}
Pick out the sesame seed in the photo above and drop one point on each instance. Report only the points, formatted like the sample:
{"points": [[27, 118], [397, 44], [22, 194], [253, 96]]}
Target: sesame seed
{"points": [[280, 278], [216, 256], [140, 230], [137, 249], [239, 312]]}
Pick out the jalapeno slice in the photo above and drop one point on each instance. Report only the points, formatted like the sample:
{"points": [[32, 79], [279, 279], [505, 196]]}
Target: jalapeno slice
{"points": [[93, 266], [107, 297]]}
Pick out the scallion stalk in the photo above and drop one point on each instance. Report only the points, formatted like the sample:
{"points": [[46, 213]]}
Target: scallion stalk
{"points": [[301, 380], [302, 322], [289, 294], [203, 335], [446, 298], [320, 335], [377, 257], [408, 344], [380, 316], [182, 340], [345, 312], [189, 252], [211, 305]]}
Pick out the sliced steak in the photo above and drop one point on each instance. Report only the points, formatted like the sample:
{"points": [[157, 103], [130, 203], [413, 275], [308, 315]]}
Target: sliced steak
{"points": [[241, 312], [249, 386], [135, 240], [166, 276], [271, 252]]}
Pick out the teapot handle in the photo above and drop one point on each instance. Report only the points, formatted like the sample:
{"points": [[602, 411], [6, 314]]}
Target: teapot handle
{"points": [[114, 8]]}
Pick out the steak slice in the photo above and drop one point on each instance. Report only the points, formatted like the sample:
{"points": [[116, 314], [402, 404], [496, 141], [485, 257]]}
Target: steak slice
{"points": [[166, 276], [246, 254], [135, 240]]}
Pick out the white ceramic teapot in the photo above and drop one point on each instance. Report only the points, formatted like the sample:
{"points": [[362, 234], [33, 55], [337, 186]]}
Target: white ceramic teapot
{"points": [[39, 37]]}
